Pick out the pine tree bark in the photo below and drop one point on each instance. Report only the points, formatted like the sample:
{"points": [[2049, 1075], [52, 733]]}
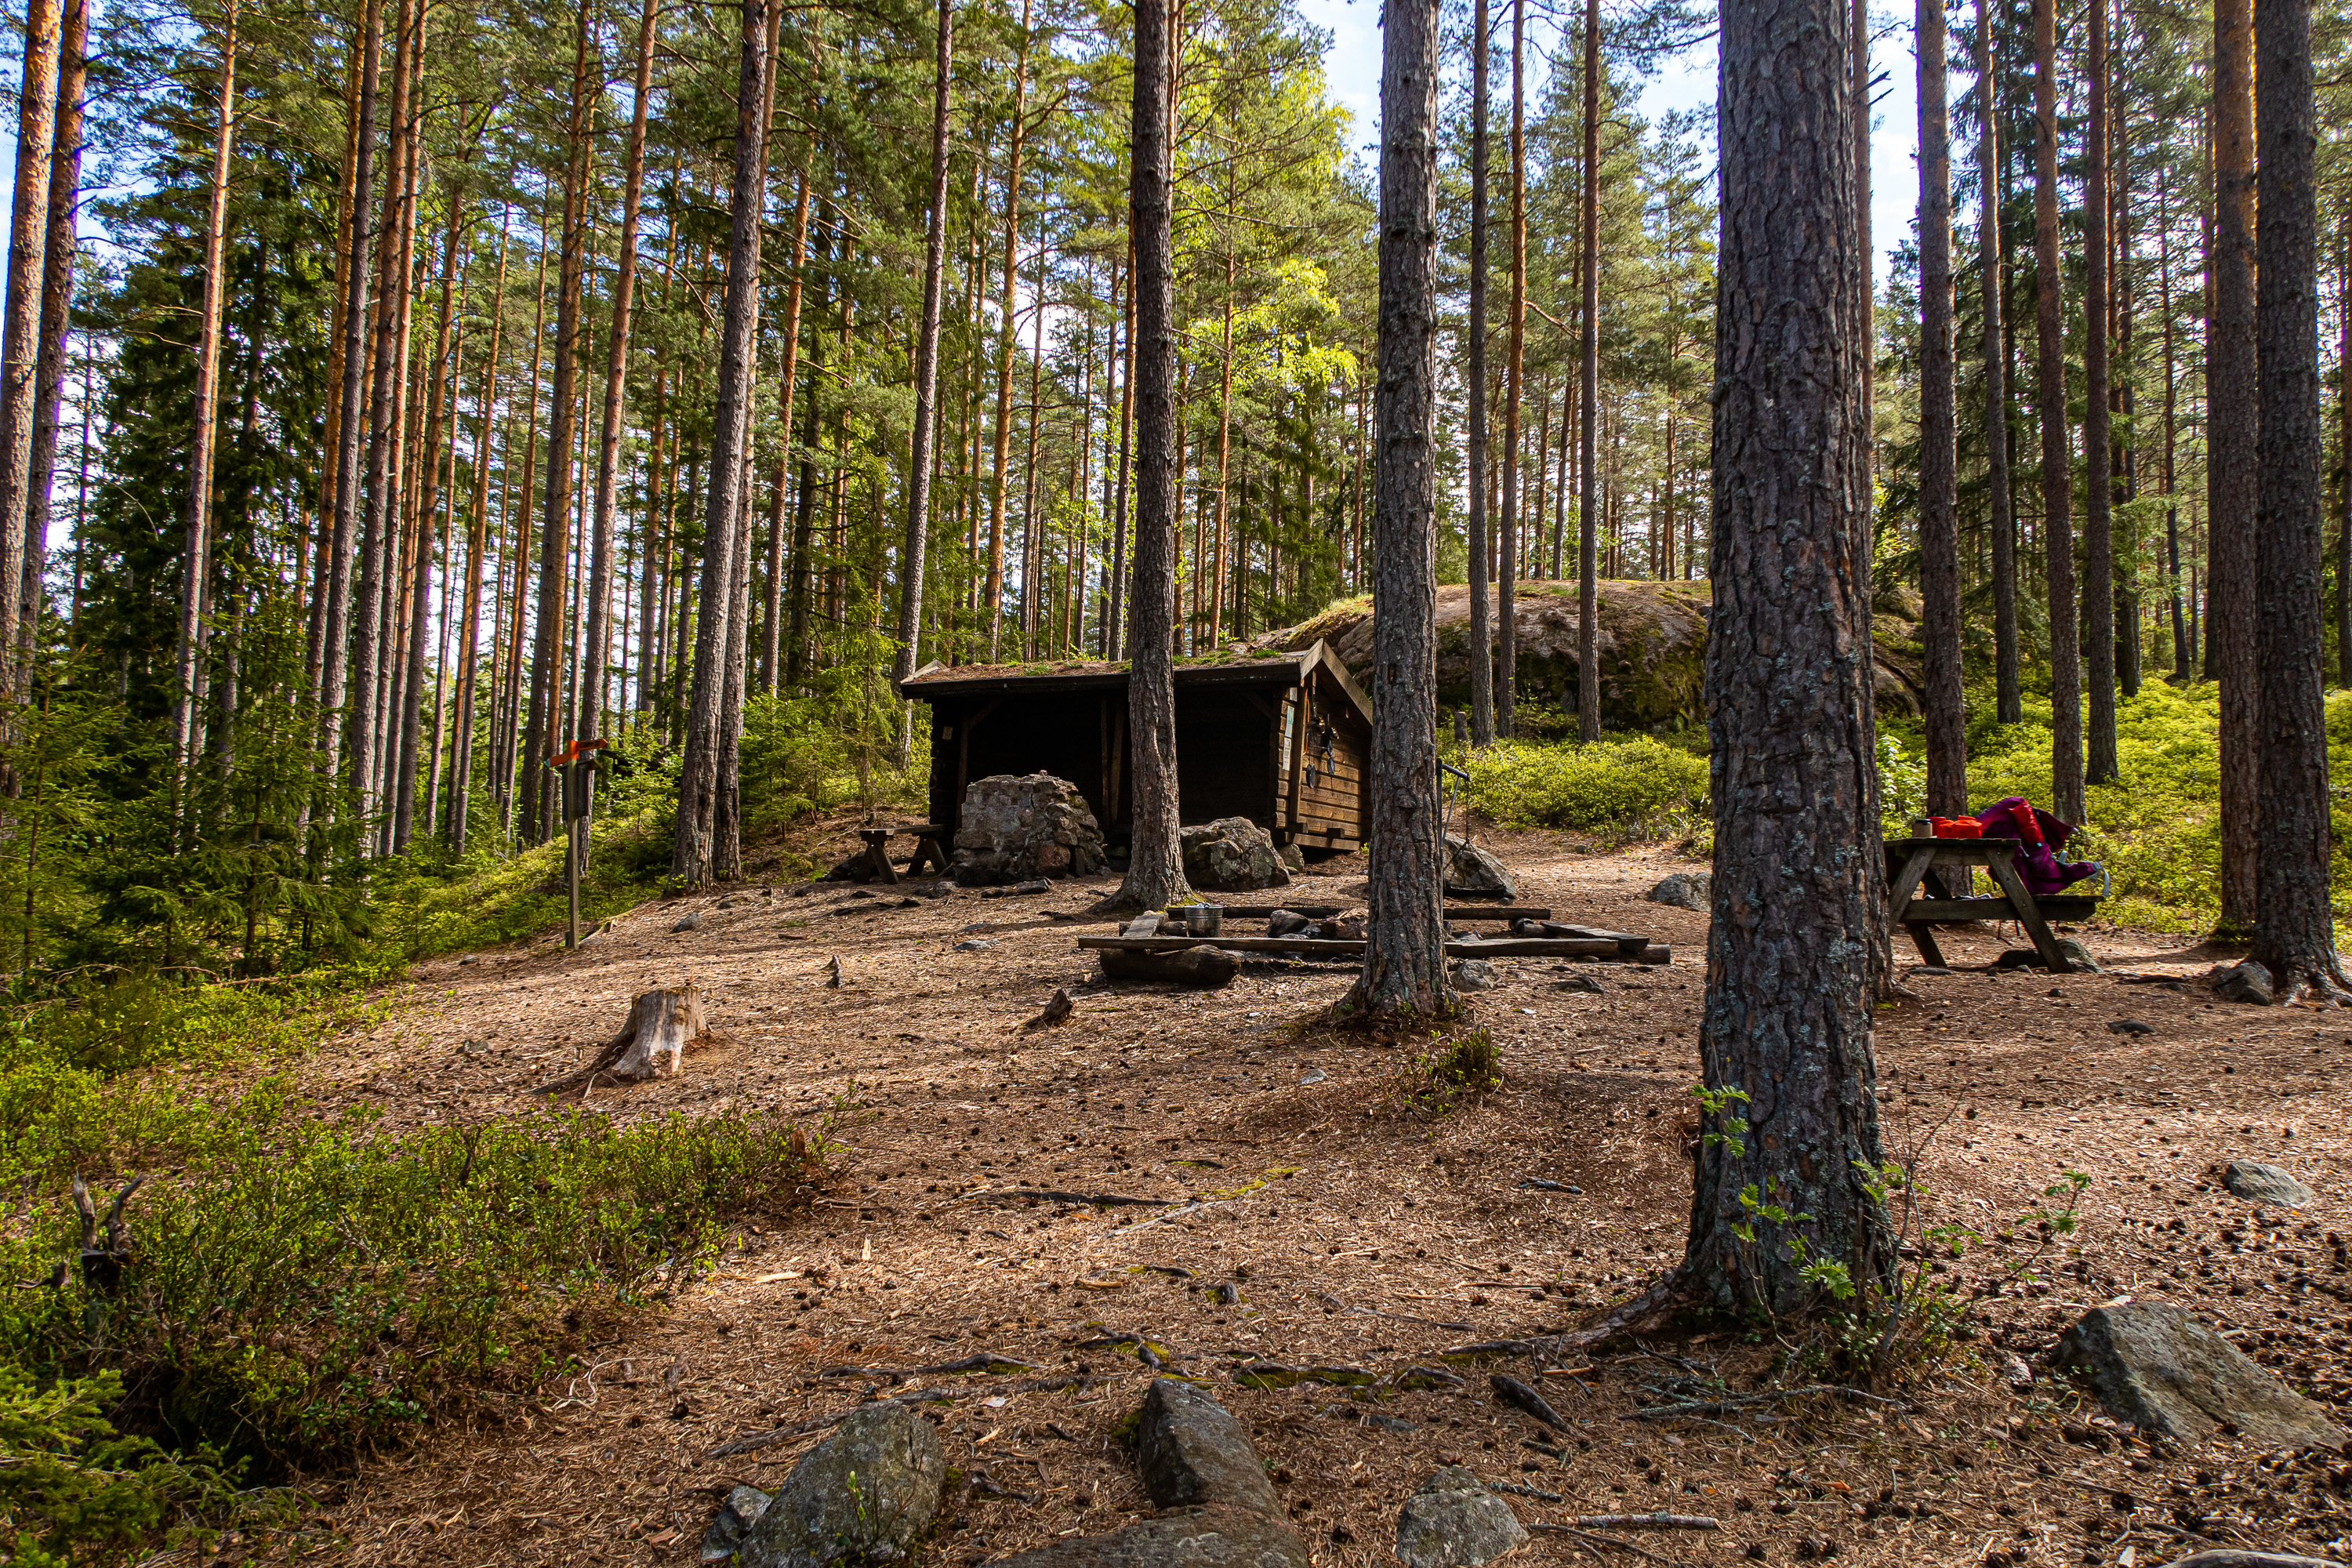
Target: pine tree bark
{"points": [[2057, 469], [2295, 927], [911, 556], [461, 757], [20, 327], [699, 774], [197, 555], [772, 620], [335, 625], [1939, 538], [1404, 981], [544, 724], [591, 723], [1786, 1035], [1588, 502], [56, 328], [2230, 474], [421, 570], [1513, 383], [2098, 424], [378, 514], [1474, 462], [2343, 448], [2008, 706], [1155, 866], [1005, 337]]}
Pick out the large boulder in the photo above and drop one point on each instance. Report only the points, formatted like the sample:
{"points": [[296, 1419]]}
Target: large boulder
{"points": [[865, 1495], [1454, 1521], [1231, 855], [1652, 640], [1016, 827], [2158, 1367], [1472, 873], [1199, 1465]]}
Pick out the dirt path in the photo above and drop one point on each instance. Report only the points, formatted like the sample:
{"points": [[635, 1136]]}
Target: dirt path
{"points": [[1361, 1226]]}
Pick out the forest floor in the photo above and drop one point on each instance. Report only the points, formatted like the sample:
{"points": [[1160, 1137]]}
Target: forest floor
{"points": [[1367, 1223]]}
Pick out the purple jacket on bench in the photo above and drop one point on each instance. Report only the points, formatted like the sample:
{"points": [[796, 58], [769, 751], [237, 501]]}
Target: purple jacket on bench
{"points": [[2038, 836]]}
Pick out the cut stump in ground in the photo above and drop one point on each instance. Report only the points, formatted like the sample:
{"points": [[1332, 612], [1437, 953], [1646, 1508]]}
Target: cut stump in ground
{"points": [[652, 1044]]}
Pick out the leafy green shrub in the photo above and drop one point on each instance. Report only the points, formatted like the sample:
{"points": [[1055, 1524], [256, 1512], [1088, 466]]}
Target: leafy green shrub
{"points": [[309, 1287], [1636, 788]]}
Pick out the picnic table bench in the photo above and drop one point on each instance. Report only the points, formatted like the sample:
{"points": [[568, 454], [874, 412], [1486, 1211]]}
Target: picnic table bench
{"points": [[1919, 897], [926, 837]]}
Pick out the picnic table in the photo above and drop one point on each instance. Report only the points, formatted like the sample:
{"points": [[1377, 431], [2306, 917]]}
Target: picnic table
{"points": [[1918, 896], [926, 837]]}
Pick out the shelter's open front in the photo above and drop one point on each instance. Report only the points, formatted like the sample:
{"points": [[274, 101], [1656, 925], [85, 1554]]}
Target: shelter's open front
{"points": [[1281, 740]]}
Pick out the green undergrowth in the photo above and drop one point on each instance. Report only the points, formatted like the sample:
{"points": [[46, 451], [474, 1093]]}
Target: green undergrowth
{"points": [[1625, 788], [294, 1285], [2156, 829]]}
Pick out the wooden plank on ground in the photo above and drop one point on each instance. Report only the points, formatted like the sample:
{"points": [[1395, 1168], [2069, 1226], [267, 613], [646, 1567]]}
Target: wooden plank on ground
{"points": [[1507, 947], [1451, 912]]}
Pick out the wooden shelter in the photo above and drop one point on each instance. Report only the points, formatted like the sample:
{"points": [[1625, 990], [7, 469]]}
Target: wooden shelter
{"points": [[1280, 739]]}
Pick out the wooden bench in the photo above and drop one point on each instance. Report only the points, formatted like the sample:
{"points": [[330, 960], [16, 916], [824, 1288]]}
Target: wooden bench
{"points": [[1918, 898], [928, 852]]}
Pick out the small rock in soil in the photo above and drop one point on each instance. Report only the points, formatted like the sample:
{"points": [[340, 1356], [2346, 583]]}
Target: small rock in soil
{"points": [[1684, 890], [1285, 923], [1472, 873], [1191, 1450], [1223, 1537], [2130, 1027], [1453, 1521], [1584, 983], [1473, 974], [2247, 982], [2265, 1183], [867, 1493], [2016, 1372], [975, 944], [689, 921], [2157, 1366], [737, 1511]]}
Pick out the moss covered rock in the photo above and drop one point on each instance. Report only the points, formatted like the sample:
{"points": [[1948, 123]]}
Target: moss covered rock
{"points": [[1653, 648]]}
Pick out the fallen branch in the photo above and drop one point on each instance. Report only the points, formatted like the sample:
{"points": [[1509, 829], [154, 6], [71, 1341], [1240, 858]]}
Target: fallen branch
{"points": [[983, 1362], [1734, 1403], [1515, 1393], [1645, 1521], [1603, 1542], [1516, 1489], [753, 1442], [1050, 1194]]}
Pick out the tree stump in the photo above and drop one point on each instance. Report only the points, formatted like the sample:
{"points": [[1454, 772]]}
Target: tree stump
{"points": [[652, 1044], [1206, 967]]}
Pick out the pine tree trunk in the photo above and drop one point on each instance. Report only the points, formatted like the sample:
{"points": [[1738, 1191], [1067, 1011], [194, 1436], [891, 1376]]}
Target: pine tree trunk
{"points": [[771, 622], [544, 724], [1473, 460], [1786, 1035], [2230, 475], [2057, 471], [2008, 702], [377, 516], [197, 557], [1005, 337], [1514, 383], [461, 751], [2294, 929], [698, 776], [926, 381], [2125, 467], [1155, 866], [510, 714], [56, 328], [1216, 562], [20, 328], [2343, 448], [1588, 592], [428, 503], [1940, 539], [335, 625], [599, 630], [2184, 661], [1114, 646], [2098, 424], [349, 205], [1404, 981]]}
